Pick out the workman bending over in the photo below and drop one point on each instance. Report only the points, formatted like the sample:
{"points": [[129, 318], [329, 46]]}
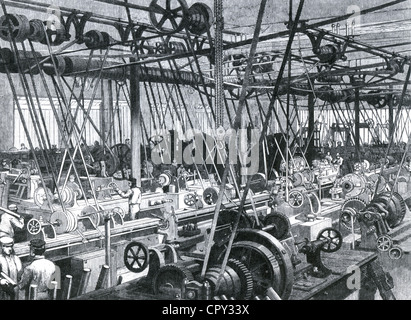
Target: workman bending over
{"points": [[9, 222], [134, 196], [39, 272]]}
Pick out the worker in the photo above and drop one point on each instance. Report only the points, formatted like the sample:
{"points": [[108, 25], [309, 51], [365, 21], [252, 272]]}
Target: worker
{"points": [[4, 165], [8, 222], [329, 157], [40, 271], [134, 196], [11, 266]]}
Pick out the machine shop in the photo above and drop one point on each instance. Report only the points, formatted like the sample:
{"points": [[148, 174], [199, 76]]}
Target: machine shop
{"points": [[213, 150]]}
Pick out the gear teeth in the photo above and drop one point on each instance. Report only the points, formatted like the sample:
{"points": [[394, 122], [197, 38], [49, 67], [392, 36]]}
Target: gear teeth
{"points": [[355, 200], [245, 276], [284, 222], [180, 269]]}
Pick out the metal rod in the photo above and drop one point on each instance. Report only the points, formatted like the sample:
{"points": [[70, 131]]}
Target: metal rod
{"points": [[54, 290], [102, 279], [67, 285], [85, 278], [108, 246]]}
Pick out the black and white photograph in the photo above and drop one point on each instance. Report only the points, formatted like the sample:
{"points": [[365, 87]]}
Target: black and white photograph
{"points": [[208, 155]]}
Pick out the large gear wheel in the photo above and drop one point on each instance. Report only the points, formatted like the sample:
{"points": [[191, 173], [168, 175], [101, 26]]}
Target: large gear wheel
{"points": [[261, 262], [282, 257], [351, 207], [236, 282], [395, 220], [395, 206], [171, 276], [280, 224]]}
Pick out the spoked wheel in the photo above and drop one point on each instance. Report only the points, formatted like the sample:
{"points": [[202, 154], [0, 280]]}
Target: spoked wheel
{"points": [[295, 199], [33, 226], [168, 16], [333, 239], [384, 243], [136, 257]]}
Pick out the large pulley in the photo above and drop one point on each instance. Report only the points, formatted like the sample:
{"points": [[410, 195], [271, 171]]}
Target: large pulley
{"points": [[272, 266], [200, 18], [15, 25], [261, 263], [63, 221], [40, 196], [168, 16]]}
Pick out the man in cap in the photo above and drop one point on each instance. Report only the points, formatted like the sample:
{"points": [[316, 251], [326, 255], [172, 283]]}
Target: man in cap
{"points": [[134, 198], [39, 272], [9, 222], [10, 267]]}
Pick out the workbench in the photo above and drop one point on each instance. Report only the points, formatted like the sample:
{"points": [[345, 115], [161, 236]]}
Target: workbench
{"points": [[342, 284]]}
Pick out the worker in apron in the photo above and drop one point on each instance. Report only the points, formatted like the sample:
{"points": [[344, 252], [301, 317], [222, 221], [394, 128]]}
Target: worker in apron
{"points": [[134, 196]]}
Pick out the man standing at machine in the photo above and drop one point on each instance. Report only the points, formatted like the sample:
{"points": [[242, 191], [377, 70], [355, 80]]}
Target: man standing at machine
{"points": [[10, 268], [9, 220], [134, 196], [39, 272]]}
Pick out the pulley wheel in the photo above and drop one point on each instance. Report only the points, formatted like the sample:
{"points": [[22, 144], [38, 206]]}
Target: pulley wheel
{"points": [[19, 25], [168, 16], [200, 18], [395, 253], [261, 263], [66, 195], [281, 255], [96, 39], [119, 211], [210, 195], [92, 213], [40, 196], [37, 32], [258, 183], [60, 221]]}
